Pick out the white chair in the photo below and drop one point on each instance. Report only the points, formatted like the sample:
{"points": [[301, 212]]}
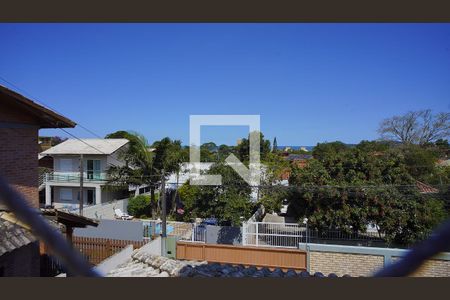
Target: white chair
{"points": [[120, 215]]}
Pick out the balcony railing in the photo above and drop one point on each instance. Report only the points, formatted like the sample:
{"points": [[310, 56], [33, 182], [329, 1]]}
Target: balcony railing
{"points": [[75, 177]]}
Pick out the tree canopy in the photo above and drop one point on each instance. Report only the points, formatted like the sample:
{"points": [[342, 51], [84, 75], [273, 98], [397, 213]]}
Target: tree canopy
{"points": [[349, 189]]}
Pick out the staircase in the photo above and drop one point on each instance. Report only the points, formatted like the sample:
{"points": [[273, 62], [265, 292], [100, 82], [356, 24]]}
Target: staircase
{"points": [[42, 175]]}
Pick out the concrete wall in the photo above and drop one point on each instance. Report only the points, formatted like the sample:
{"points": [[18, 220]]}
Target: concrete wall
{"points": [[154, 247], [364, 261], [106, 210], [113, 229]]}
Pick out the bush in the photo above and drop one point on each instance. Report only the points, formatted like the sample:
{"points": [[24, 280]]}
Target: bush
{"points": [[139, 206]]}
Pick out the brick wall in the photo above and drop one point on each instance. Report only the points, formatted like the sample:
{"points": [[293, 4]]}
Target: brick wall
{"points": [[364, 261], [432, 268], [19, 161], [345, 263]]}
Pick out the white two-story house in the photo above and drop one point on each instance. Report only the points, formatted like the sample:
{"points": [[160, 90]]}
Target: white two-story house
{"points": [[62, 186]]}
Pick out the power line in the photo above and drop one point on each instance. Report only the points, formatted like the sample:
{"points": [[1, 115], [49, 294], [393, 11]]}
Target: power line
{"points": [[35, 99]]}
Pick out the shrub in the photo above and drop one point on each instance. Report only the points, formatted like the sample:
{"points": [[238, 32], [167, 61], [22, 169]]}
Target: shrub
{"points": [[139, 206]]}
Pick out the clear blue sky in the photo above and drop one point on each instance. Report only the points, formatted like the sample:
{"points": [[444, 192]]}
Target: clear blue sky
{"points": [[309, 82]]}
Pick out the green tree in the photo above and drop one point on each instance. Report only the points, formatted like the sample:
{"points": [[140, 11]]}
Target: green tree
{"points": [[139, 206], [242, 150], [228, 202], [349, 189], [324, 150], [143, 165]]}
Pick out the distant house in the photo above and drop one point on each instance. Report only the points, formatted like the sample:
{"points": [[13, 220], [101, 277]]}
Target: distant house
{"points": [[299, 160], [425, 188], [444, 163], [62, 186], [175, 180]]}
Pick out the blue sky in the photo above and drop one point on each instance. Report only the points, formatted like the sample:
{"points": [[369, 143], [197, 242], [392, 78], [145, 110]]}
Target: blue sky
{"points": [[309, 82]]}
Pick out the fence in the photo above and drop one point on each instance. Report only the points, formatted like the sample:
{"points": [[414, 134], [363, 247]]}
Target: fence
{"points": [[289, 235], [96, 249], [240, 255]]}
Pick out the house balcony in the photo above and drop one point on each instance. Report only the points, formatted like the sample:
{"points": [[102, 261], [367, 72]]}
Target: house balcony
{"points": [[74, 177]]}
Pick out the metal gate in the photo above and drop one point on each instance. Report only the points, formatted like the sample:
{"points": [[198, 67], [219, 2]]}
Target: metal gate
{"points": [[265, 234]]}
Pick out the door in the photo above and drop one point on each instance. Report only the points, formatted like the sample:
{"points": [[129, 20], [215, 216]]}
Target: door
{"points": [[90, 197], [93, 169]]}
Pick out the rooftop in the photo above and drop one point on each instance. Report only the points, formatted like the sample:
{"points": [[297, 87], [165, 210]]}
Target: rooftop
{"points": [[87, 146], [13, 234], [45, 117]]}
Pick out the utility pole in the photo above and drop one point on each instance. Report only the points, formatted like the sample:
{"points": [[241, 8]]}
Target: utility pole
{"points": [[81, 184], [163, 215]]}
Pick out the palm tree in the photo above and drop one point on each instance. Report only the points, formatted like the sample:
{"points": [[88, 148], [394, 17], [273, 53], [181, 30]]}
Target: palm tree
{"points": [[145, 164], [139, 168]]}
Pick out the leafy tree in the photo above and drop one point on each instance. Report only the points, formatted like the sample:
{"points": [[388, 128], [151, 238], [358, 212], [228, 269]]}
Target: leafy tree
{"points": [[420, 162], [243, 149], [348, 190], [228, 202], [443, 148], [324, 150], [139, 206], [373, 146], [223, 152], [416, 127], [144, 166], [139, 166]]}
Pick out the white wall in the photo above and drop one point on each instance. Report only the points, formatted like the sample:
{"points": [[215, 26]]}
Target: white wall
{"points": [[106, 210]]}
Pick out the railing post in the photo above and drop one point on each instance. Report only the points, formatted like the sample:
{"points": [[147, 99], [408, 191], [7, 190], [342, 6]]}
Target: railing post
{"points": [[256, 233], [193, 232], [244, 235]]}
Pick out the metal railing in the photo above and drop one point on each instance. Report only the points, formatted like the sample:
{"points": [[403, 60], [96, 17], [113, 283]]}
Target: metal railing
{"points": [[73, 177], [289, 235], [265, 234]]}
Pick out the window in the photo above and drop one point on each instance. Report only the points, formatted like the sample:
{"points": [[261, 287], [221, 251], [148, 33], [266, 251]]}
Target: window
{"points": [[65, 165], [90, 197], [93, 169], [65, 194], [144, 190]]}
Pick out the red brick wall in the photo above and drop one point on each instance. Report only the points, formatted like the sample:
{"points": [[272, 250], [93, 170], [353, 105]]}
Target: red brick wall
{"points": [[19, 160]]}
